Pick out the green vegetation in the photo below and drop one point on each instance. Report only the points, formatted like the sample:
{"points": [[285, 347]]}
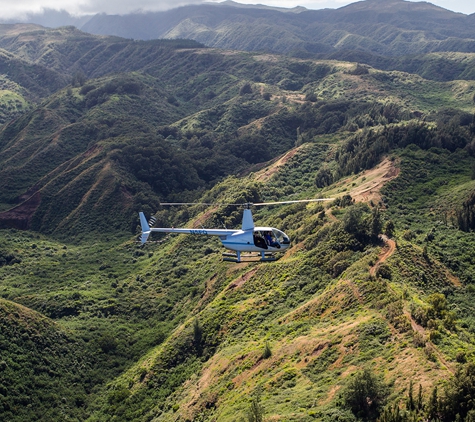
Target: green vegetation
{"points": [[43, 368], [420, 39], [348, 325], [365, 395]]}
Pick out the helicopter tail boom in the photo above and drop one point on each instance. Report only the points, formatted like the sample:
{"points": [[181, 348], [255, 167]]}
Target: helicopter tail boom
{"points": [[146, 230], [206, 232]]}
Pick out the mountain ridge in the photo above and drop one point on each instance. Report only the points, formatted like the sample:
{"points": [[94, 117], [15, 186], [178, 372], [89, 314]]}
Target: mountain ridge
{"points": [[376, 289], [428, 28]]}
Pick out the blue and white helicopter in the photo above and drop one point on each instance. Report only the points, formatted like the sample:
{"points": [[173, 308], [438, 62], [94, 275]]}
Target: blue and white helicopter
{"points": [[266, 241]]}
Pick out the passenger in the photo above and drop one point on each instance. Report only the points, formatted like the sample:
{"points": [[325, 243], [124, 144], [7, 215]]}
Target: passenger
{"points": [[260, 242], [270, 240]]}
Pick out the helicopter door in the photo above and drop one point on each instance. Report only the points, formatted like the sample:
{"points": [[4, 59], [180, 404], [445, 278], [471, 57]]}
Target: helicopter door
{"points": [[259, 240]]}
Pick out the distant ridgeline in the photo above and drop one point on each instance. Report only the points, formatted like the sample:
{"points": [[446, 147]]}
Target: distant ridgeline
{"points": [[384, 34]]}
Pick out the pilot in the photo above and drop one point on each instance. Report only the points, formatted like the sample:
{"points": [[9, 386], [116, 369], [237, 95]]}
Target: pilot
{"points": [[270, 240]]}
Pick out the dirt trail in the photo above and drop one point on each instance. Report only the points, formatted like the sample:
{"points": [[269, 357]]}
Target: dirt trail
{"points": [[355, 291], [266, 173], [453, 279], [241, 280], [386, 252], [420, 330], [376, 178], [368, 184], [330, 215]]}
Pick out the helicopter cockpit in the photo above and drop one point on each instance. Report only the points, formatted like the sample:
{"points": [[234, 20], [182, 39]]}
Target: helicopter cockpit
{"points": [[267, 237]]}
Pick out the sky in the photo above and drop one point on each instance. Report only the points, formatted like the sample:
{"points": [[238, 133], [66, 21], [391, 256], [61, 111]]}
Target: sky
{"points": [[18, 8]]}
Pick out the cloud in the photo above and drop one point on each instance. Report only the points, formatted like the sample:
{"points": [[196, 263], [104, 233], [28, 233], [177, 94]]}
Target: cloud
{"points": [[127, 6], [21, 8]]}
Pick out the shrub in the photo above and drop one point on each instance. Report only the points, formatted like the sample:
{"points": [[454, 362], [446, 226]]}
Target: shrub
{"points": [[384, 271], [197, 337], [255, 412], [267, 353], [245, 89], [419, 340], [365, 395]]}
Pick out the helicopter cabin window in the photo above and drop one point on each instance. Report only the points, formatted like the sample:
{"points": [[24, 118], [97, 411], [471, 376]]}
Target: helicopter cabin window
{"points": [[272, 238]]}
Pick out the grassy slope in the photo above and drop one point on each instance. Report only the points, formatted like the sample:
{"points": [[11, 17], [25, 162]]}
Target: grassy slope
{"points": [[320, 328], [132, 311], [77, 135], [43, 367]]}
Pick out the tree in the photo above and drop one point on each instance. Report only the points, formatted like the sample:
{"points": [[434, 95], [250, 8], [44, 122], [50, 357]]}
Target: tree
{"points": [[433, 406], [358, 221], [460, 393], [255, 412], [310, 96], [410, 399], [245, 89], [389, 228], [438, 306], [197, 337], [365, 395], [376, 223], [267, 353], [323, 178], [79, 79], [420, 402], [392, 414]]}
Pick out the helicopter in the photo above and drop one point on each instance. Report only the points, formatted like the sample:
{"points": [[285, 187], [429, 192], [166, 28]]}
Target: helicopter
{"points": [[266, 241]]}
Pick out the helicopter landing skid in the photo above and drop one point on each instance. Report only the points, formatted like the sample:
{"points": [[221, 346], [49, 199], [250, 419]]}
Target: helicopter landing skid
{"points": [[236, 257]]}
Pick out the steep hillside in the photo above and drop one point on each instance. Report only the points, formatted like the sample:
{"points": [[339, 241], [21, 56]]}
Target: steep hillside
{"points": [[22, 84], [42, 367], [76, 54], [389, 28], [286, 339], [368, 316], [179, 334], [393, 27], [127, 141]]}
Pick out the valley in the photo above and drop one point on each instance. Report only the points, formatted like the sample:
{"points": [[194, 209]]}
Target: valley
{"points": [[368, 316]]}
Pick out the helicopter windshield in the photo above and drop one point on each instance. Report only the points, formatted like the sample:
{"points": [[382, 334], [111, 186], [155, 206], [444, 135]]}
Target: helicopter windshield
{"points": [[281, 237]]}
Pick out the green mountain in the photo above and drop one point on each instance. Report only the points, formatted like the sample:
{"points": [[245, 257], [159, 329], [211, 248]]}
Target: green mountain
{"points": [[379, 28], [368, 316], [393, 28], [179, 122], [414, 37]]}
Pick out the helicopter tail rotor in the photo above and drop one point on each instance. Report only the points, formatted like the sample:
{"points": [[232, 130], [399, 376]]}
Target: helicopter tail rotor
{"points": [[145, 228]]}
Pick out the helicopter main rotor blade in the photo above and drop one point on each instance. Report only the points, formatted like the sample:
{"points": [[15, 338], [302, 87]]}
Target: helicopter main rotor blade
{"points": [[196, 203], [246, 204], [292, 202], [184, 203]]}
